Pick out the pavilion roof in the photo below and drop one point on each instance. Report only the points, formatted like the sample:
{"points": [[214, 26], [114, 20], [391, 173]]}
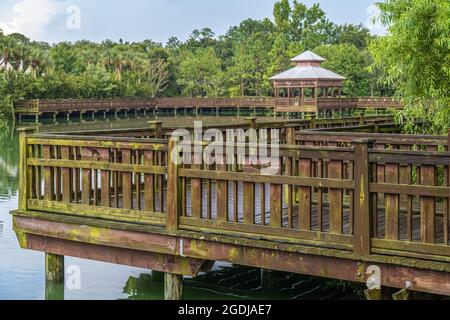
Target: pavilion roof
{"points": [[308, 56], [305, 71]]}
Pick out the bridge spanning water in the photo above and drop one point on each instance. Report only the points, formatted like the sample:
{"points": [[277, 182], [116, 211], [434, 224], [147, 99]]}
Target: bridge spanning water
{"points": [[339, 204], [320, 107]]}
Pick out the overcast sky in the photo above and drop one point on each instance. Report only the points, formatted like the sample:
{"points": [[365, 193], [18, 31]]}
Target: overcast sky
{"points": [[134, 20]]}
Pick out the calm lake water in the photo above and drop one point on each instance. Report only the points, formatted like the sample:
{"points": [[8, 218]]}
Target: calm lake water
{"points": [[22, 271]]}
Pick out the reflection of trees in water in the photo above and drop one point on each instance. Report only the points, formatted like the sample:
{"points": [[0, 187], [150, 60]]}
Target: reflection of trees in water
{"points": [[9, 159], [144, 288], [238, 282]]}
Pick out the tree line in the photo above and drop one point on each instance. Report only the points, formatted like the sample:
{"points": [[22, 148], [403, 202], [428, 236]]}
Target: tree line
{"points": [[411, 61]]}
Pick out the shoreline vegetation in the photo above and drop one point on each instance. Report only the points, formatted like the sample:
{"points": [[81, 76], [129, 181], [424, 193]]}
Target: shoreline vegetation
{"points": [[414, 66]]}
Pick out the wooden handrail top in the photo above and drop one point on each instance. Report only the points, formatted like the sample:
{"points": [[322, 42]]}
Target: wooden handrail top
{"points": [[387, 138]]}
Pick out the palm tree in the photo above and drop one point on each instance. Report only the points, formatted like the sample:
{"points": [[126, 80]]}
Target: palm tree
{"points": [[7, 46], [39, 62], [141, 68], [114, 57], [19, 56]]}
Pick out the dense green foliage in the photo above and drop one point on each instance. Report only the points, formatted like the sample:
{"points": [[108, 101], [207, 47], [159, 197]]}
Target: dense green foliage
{"points": [[238, 63], [415, 59]]}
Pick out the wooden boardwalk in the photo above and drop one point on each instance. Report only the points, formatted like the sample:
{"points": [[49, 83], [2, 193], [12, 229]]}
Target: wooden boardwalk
{"points": [[195, 106], [337, 205]]}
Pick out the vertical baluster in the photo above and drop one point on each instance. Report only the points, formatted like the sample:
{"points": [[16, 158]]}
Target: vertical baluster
{"points": [[236, 201], [86, 188], [289, 172], [116, 179], [149, 183], [336, 197], [222, 195], [183, 197], [262, 202], [446, 216], [209, 199], [196, 188], [380, 175], [249, 203], [428, 206], [138, 181], [351, 194], [319, 196], [304, 170], [127, 192], [405, 179], [105, 180], [160, 181], [77, 156], [32, 172], [392, 203], [38, 173], [67, 174], [48, 175], [57, 153]]}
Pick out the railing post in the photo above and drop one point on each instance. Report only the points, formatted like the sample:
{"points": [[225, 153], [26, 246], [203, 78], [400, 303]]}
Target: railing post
{"points": [[361, 118], [448, 141], [174, 192], [362, 233], [252, 121], [290, 135], [157, 126], [312, 120], [24, 171]]}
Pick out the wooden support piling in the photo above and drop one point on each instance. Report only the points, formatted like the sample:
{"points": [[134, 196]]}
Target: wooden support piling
{"points": [[173, 287], [54, 291], [54, 268]]}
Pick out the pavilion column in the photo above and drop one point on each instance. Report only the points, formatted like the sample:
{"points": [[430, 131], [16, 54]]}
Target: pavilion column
{"points": [[303, 95]]}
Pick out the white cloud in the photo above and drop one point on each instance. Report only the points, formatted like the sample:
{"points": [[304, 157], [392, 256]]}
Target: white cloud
{"points": [[30, 17]]}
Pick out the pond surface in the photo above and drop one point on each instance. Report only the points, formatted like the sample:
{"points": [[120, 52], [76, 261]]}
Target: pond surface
{"points": [[22, 271]]}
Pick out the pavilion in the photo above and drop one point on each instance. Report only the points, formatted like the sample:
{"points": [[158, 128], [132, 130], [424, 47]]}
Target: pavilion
{"points": [[308, 87]]}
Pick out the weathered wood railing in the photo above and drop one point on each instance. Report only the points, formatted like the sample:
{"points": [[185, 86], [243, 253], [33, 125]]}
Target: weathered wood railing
{"points": [[282, 104], [103, 178], [354, 198], [383, 140], [304, 201], [410, 197], [163, 128]]}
